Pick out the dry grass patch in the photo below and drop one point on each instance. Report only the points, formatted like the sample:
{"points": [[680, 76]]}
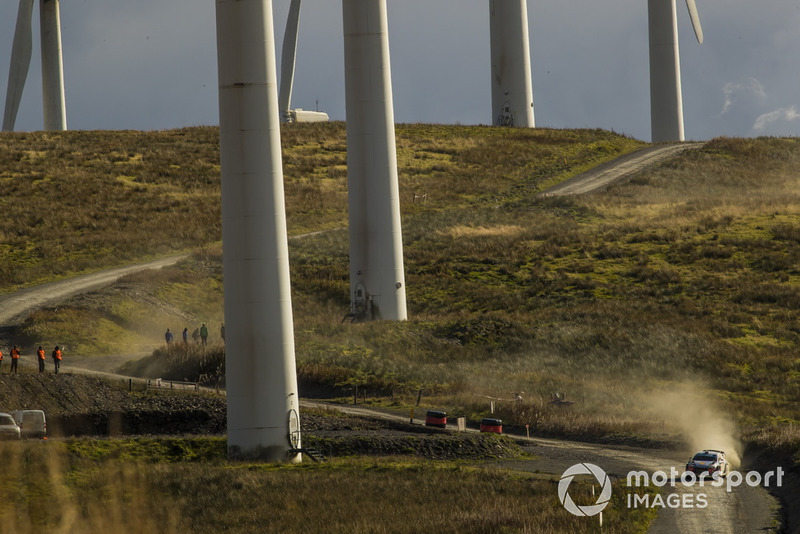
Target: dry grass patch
{"points": [[88, 486], [461, 231]]}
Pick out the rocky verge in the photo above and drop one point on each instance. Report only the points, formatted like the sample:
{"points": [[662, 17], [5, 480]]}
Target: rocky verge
{"points": [[80, 405]]}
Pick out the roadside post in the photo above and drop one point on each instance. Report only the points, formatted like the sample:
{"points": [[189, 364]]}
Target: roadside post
{"points": [[461, 422]]}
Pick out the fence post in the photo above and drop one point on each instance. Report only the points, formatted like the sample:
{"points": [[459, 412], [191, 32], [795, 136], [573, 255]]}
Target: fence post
{"points": [[461, 422]]}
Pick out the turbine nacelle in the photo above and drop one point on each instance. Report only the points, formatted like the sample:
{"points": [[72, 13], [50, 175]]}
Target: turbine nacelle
{"points": [[302, 115]]}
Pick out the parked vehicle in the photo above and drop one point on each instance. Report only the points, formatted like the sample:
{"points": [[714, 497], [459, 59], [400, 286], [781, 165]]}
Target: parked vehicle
{"points": [[8, 427], [32, 423], [436, 418], [489, 424]]}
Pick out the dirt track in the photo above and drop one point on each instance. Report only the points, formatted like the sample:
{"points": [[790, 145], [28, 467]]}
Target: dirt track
{"points": [[741, 511], [24, 301], [607, 174]]}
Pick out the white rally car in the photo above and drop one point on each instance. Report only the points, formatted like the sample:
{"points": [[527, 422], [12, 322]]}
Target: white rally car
{"points": [[709, 462]]}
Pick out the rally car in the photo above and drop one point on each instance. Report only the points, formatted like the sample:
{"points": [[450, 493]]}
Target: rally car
{"points": [[708, 461]]}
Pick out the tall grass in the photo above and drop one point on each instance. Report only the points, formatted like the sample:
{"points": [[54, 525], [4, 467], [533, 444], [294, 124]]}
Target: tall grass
{"points": [[99, 486]]}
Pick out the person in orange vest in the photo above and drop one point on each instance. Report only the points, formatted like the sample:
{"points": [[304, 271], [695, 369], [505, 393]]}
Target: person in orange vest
{"points": [[1, 358], [40, 354], [57, 358], [14, 360]]}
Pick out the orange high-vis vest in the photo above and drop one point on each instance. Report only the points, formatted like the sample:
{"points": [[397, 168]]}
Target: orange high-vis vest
{"points": [[1, 355], [58, 354], [40, 352], [15, 354]]}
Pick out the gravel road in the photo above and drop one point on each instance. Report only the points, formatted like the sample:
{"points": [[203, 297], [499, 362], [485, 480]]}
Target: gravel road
{"points": [[24, 301], [743, 510], [612, 172]]}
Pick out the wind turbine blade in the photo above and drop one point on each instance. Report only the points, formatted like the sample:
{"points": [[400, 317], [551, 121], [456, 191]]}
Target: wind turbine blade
{"points": [[288, 55], [20, 63], [698, 29]]}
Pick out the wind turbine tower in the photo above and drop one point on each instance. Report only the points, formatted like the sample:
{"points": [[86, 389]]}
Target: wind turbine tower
{"points": [[261, 376], [53, 99], [512, 89], [377, 280], [666, 100]]}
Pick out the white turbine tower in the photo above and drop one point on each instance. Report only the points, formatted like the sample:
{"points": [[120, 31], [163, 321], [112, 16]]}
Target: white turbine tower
{"points": [[288, 58], [377, 281], [512, 91], [666, 102], [261, 375], [53, 100]]}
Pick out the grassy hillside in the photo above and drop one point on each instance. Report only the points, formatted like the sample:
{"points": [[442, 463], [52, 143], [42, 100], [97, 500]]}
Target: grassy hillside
{"points": [[76, 201], [671, 299], [664, 309]]}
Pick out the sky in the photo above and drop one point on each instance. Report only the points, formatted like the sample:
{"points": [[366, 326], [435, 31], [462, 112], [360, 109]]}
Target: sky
{"points": [[152, 64]]}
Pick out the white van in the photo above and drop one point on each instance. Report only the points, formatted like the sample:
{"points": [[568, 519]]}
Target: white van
{"points": [[32, 423]]}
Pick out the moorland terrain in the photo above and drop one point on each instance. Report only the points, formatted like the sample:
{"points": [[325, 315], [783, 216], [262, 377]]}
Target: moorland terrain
{"points": [[665, 310]]}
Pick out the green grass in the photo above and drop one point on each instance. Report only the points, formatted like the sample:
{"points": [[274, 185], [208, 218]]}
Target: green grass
{"points": [[79, 201], [674, 294], [684, 279]]}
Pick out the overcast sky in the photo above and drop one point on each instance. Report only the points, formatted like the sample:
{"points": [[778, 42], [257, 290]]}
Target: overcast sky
{"points": [[151, 64]]}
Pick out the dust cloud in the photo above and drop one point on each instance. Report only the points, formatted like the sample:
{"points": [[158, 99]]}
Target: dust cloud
{"points": [[698, 416]]}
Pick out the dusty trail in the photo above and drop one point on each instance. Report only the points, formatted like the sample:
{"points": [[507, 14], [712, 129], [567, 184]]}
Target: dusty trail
{"points": [[741, 511], [24, 301], [612, 172]]}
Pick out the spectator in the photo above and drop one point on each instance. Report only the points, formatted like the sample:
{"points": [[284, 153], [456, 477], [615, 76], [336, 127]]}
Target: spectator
{"points": [[185, 336], [41, 358], [196, 335], [57, 358], [14, 360], [204, 333], [168, 337]]}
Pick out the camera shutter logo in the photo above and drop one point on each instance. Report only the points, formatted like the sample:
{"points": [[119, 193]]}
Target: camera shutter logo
{"points": [[584, 469]]}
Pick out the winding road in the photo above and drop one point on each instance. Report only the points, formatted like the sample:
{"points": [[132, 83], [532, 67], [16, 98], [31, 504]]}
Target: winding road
{"points": [[742, 510], [24, 301]]}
